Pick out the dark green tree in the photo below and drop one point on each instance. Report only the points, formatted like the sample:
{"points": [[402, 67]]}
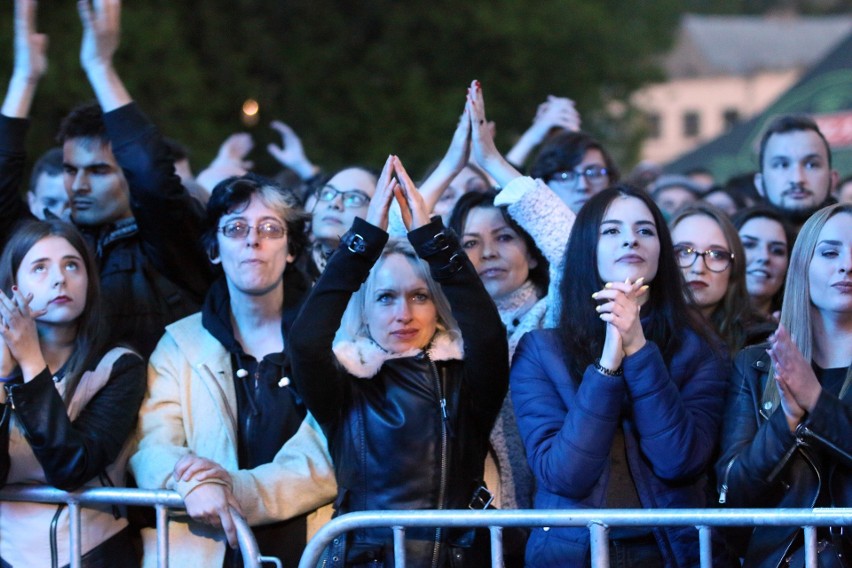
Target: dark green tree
{"points": [[359, 80]]}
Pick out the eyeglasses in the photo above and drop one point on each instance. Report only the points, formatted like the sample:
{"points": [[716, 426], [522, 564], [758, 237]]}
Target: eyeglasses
{"points": [[716, 260], [595, 175], [351, 199], [265, 230]]}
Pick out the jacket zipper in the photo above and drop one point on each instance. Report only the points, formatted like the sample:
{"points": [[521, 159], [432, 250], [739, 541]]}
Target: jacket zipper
{"points": [[723, 493], [442, 402]]}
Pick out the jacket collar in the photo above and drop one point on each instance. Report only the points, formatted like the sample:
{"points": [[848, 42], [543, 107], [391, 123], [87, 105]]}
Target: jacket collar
{"points": [[362, 357]]}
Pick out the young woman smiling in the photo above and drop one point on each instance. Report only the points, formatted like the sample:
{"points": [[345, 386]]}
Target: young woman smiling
{"points": [[767, 239], [70, 401]]}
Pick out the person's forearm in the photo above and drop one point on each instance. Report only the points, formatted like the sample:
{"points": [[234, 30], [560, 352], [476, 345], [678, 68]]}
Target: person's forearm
{"points": [[108, 86], [19, 97], [524, 146]]}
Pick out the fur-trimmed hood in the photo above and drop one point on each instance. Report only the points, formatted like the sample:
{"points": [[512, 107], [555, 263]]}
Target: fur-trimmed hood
{"points": [[363, 357]]}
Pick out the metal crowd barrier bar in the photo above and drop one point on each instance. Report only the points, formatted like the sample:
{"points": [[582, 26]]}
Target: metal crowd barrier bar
{"points": [[161, 500], [598, 521]]}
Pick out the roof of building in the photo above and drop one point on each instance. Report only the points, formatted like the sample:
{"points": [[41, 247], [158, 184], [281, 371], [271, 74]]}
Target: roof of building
{"points": [[742, 45]]}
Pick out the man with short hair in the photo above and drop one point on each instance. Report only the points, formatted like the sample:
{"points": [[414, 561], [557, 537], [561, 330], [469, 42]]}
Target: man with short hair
{"points": [[47, 196], [795, 168]]}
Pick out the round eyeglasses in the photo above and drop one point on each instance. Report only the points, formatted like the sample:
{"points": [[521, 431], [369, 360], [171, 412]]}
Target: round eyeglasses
{"points": [[351, 199], [716, 260], [265, 230], [594, 175]]}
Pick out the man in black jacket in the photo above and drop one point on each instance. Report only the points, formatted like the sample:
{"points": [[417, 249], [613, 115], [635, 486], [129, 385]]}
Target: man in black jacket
{"points": [[120, 176]]}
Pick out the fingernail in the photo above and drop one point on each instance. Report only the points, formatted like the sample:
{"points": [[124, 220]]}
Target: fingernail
{"points": [[597, 308], [608, 285], [640, 280], [645, 287], [627, 280], [595, 295]]}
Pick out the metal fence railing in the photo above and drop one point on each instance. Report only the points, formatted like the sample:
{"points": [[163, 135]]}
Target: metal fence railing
{"points": [[161, 500], [598, 521]]}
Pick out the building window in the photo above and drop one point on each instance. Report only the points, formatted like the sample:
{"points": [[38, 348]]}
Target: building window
{"points": [[691, 124], [731, 117], [653, 125]]}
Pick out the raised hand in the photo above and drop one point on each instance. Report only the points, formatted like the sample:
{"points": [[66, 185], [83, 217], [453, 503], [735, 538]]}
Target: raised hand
{"points": [[30, 46], [415, 213], [19, 333], [482, 146], [620, 306], [377, 212], [101, 32], [291, 153], [556, 112], [797, 383], [30, 61]]}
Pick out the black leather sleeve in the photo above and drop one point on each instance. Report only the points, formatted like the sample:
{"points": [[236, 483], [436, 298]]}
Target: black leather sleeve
{"points": [[486, 351], [72, 453], [318, 377]]}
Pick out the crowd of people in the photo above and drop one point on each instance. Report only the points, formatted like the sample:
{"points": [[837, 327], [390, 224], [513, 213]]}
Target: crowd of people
{"points": [[321, 343]]}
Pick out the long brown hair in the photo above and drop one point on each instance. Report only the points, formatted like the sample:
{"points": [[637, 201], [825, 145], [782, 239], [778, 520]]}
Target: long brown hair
{"points": [[90, 341], [796, 315], [734, 315]]}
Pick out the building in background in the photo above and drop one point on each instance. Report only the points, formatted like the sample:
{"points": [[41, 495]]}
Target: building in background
{"points": [[724, 70]]}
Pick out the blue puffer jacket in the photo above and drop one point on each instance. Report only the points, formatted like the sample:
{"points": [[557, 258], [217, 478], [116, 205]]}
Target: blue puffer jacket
{"points": [[670, 428]]}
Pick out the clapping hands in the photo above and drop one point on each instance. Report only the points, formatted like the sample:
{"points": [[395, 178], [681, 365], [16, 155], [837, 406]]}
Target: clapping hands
{"points": [[796, 381], [619, 306], [395, 183]]}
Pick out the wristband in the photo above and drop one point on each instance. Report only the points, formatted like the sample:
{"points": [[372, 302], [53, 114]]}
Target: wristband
{"points": [[608, 372]]}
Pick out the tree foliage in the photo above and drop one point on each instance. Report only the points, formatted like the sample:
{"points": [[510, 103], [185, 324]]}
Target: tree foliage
{"points": [[359, 80]]}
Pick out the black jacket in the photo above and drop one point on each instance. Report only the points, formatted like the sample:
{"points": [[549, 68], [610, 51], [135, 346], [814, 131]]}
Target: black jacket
{"points": [[414, 435], [763, 464]]}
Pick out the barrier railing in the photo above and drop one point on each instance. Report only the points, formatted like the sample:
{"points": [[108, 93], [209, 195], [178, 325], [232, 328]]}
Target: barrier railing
{"points": [[597, 521], [161, 500]]}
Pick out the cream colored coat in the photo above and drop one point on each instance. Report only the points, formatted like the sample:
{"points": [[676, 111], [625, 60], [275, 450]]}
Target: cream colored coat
{"points": [[190, 407]]}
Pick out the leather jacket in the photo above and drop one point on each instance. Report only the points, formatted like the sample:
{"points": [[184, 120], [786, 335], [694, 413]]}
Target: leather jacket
{"points": [[763, 464], [405, 431]]}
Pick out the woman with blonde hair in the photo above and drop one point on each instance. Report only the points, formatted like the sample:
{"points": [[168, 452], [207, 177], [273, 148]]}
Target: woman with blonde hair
{"points": [[785, 440]]}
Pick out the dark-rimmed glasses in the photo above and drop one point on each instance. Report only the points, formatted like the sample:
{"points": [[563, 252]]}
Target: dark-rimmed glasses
{"points": [[595, 175], [265, 230], [351, 199], [716, 260]]}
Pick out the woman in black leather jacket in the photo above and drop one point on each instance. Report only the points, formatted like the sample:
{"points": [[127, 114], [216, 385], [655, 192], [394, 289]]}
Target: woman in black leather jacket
{"points": [[786, 438], [405, 405], [70, 401]]}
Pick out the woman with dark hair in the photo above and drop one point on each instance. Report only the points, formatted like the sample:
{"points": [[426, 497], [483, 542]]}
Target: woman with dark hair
{"points": [[785, 441], [767, 239], [71, 399], [221, 423], [619, 406], [333, 206], [575, 166], [716, 282], [399, 353]]}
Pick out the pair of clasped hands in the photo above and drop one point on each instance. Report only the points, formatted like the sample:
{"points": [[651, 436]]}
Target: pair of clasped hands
{"points": [[619, 304], [19, 344], [395, 184]]}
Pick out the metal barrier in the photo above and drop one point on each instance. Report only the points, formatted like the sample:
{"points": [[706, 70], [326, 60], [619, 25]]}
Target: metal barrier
{"points": [[161, 500], [597, 521]]}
